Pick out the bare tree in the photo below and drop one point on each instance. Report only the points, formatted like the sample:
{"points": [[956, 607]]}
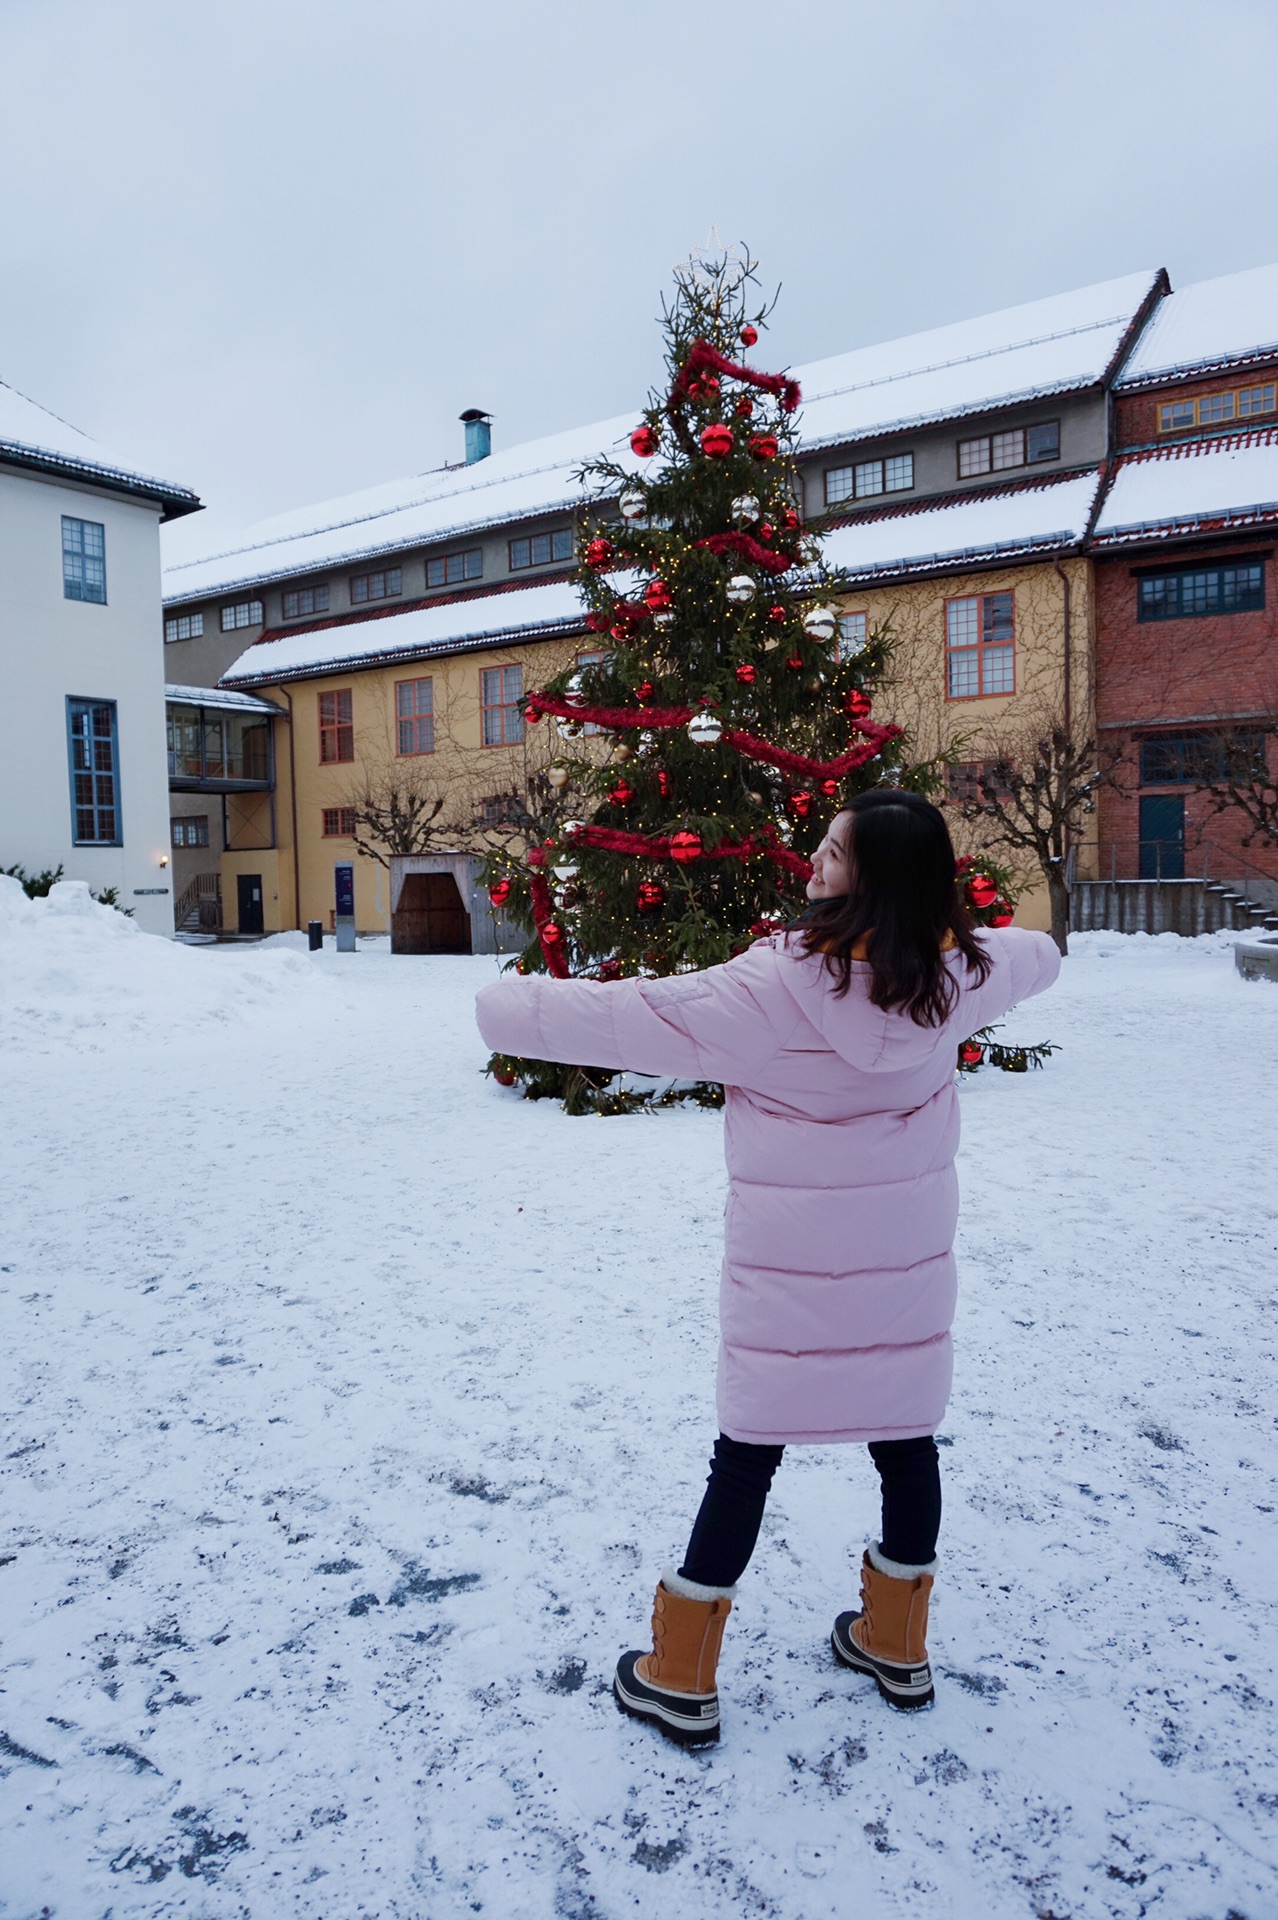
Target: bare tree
{"points": [[399, 808], [1034, 790], [1237, 769]]}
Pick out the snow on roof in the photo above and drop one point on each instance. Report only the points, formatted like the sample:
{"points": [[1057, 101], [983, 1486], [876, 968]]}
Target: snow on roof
{"points": [[1041, 348], [449, 503], [1208, 324], [33, 436], [218, 697], [992, 525], [527, 613], [1231, 479]]}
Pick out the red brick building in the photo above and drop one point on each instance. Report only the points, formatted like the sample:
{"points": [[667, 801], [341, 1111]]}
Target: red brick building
{"points": [[1186, 592]]}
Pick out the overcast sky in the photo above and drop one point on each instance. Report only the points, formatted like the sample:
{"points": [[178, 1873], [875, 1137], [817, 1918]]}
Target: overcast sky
{"points": [[270, 249]]}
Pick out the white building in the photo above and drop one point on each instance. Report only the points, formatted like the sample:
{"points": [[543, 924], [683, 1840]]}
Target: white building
{"points": [[83, 767]]}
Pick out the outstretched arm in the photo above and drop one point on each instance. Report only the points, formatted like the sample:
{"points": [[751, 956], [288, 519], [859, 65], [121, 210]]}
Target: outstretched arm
{"points": [[721, 1024]]}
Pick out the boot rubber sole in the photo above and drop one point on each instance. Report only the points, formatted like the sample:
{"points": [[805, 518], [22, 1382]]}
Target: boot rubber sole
{"points": [[689, 1719], [905, 1688]]}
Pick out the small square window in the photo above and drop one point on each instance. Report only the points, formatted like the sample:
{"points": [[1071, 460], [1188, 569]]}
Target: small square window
{"points": [[973, 457], [302, 602], [869, 478], [839, 485], [245, 613], [339, 823], [184, 626], [1008, 449], [898, 473], [452, 569], [84, 560], [539, 549], [191, 831], [1215, 407], [1254, 400], [1175, 414], [1043, 442], [385, 584]]}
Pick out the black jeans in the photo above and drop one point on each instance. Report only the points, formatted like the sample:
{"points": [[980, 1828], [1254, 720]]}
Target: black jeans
{"points": [[726, 1528]]}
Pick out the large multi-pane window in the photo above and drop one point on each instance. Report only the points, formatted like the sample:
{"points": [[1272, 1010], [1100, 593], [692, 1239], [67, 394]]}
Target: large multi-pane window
{"points": [[337, 727], [539, 549], [980, 645], [501, 699], [453, 569], [1185, 759], [415, 716], [301, 602], [184, 626], [206, 743], [1014, 447], [1218, 409], [83, 560], [384, 584], [95, 773], [868, 477], [245, 613], [1191, 592]]}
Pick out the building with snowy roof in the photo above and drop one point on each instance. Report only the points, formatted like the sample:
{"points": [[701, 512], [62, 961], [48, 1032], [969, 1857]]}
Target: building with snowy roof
{"points": [[82, 768]]}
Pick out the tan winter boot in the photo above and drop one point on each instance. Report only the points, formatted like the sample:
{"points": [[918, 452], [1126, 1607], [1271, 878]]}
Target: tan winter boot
{"points": [[888, 1638], [674, 1685]]}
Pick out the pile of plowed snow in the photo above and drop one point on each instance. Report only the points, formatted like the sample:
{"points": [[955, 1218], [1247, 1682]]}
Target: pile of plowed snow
{"points": [[74, 972]]}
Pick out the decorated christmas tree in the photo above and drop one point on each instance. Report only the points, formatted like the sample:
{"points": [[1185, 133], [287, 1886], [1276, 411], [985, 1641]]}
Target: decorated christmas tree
{"points": [[724, 712]]}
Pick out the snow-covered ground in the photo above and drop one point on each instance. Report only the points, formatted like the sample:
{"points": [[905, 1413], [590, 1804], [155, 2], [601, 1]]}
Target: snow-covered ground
{"points": [[353, 1405]]}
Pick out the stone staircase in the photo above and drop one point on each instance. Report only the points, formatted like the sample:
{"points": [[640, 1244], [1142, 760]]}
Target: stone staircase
{"points": [[1167, 906]]}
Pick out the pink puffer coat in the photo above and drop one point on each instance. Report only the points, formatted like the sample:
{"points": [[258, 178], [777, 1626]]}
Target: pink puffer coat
{"points": [[841, 1127]]}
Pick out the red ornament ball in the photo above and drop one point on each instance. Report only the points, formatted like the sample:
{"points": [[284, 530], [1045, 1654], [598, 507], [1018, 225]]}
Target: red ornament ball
{"points": [[1002, 915], [552, 934], [981, 892], [651, 896], [964, 864], [765, 531], [777, 614], [791, 519], [598, 553], [744, 407], [749, 335], [597, 622], [644, 692], [857, 705], [794, 663], [763, 446], [685, 847], [622, 794], [830, 788], [800, 805], [665, 785], [503, 1076], [746, 674], [499, 892], [644, 442], [657, 596], [532, 715], [970, 1054], [609, 970], [717, 442]]}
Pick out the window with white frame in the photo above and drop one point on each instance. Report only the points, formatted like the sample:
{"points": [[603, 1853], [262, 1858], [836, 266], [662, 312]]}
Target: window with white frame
{"points": [[184, 626], [454, 569], [853, 634], [980, 645], [299, 603], [245, 613], [83, 560], [501, 699]]}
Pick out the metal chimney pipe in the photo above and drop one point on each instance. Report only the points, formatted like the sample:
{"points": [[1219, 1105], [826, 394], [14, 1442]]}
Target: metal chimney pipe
{"points": [[479, 434]]}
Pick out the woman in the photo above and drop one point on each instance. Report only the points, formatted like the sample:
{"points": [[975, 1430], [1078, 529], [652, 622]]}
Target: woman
{"points": [[836, 1041]]}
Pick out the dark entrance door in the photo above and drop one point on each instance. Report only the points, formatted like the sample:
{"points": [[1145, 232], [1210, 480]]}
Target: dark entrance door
{"points": [[431, 916], [1162, 836], [248, 888]]}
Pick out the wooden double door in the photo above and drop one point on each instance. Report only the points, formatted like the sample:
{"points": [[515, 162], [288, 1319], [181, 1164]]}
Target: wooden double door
{"points": [[431, 916]]}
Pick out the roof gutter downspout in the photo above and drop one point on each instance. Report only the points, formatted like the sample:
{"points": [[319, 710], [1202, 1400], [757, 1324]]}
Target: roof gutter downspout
{"points": [[1066, 683], [292, 803]]}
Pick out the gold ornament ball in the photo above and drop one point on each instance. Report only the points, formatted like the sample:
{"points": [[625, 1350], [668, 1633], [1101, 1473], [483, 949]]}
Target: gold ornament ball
{"points": [[558, 778]]}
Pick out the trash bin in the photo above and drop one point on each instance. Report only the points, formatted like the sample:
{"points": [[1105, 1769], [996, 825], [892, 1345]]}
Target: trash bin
{"points": [[315, 934]]}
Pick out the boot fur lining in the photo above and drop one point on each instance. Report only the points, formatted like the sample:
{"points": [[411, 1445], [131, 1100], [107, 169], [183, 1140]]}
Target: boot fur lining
{"points": [[897, 1569], [692, 1589]]}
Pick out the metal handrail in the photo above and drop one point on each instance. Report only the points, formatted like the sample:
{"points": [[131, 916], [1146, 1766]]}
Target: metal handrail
{"points": [[1203, 859]]}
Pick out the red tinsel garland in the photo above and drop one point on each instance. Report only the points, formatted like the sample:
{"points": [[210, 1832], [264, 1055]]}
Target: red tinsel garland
{"points": [[749, 549], [543, 907], [703, 358], [665, 719]]}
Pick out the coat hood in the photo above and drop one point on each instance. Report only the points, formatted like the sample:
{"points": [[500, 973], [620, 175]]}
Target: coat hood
{"points": [[864, 1035]]}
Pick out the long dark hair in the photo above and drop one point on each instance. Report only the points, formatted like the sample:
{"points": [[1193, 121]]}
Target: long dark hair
{"points": [[904, 899]]}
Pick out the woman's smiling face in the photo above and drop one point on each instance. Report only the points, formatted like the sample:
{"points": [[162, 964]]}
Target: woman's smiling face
{"points": [[831, 863]]}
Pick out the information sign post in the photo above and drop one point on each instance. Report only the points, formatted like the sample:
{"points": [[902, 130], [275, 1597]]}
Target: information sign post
{"points": [[344, 879]]}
